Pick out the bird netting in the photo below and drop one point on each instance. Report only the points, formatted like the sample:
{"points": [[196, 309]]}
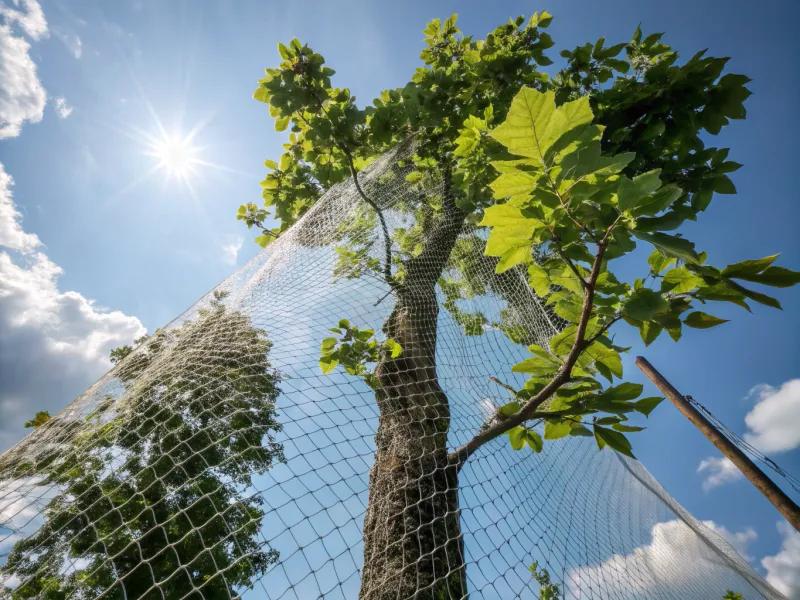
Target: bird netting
{"points": [[218, 460]]}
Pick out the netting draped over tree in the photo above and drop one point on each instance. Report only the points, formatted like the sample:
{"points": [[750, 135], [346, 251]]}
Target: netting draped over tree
{"points": [[217, 459]]}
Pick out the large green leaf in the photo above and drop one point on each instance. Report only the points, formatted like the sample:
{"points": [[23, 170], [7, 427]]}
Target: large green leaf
{"points": [[613, 439], [554, 430], [647, 405], [772, 276], [533, 123], [670, 245], [748, 267], [535, 366], [680, 281], [644, 304]]}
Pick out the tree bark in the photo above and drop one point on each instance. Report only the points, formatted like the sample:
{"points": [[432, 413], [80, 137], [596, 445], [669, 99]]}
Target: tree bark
{"points": [[413, 546]]}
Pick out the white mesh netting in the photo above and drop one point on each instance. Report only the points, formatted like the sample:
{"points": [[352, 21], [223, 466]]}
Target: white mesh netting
{"points": [[217, 460]]}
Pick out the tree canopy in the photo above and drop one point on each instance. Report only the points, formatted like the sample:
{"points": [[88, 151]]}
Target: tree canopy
{"points": [[151, 494], [567, 172]]}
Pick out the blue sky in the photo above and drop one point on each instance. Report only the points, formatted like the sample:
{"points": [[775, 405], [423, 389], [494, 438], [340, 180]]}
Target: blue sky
{"points": [[111, 229]]}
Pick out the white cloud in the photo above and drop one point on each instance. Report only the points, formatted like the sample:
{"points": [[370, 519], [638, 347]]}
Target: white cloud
{"points": [[783, 569], [719, 471], [230, 252], [52, 343], [675, 558], [62, 108], [774, 423], [22, 97], [11, 232], [28, 15], [740, 540]]}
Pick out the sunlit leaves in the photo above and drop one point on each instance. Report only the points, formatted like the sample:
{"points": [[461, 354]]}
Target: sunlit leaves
{"points": [[534, 123]]}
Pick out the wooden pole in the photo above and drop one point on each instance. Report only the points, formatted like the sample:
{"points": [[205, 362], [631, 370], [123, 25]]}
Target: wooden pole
{"points": [[765, 485]]}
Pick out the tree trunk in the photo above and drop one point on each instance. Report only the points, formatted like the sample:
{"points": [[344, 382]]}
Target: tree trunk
{"points": [[412, 534]]}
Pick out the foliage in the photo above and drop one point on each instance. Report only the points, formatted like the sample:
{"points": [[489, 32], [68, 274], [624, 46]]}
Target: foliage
{"points": [[731, 595], [547, 589], [117, 354], [152, 488], [354, 350], [579, 168], [562, 193], [39, 419]]}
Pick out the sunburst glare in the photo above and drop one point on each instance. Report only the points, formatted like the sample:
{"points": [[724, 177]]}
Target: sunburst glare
{"points": [[177, 156]]}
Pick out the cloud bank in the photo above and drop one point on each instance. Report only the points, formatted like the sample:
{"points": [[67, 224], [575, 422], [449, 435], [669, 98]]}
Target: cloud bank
{"points": [[52, 343]]}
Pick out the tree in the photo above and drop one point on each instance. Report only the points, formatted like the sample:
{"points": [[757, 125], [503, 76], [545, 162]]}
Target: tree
{"points": [[40, 418], [568, 173], [151, 498]]}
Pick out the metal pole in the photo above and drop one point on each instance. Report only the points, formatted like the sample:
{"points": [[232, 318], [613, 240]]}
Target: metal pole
{"points": [[765, 485]]}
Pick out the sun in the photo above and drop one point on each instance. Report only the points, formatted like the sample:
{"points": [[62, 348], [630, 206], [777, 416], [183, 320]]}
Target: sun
{"points": [[176, 155]]}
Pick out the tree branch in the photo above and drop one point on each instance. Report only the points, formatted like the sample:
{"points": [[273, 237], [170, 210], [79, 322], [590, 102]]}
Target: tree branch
{"points": [[387, 240], [528, 410]]}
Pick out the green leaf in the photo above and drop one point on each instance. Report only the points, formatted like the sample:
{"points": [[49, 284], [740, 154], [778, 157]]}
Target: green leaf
{"points": [[701, 320], [622, 392], [632, 192], [650, 331], [748, 267], [538, 280], [414, 177], [658, 262], [644, 304], [626, 428], [271, 164], [328, 344], [509, 409], [534, 123], [580, 431], [327, 363], [516, 437], [394, 348], [773, 276], [670, 245], [613, 439], [281, 123], [681, 280], [534, 440], [535, 366], [647, 405], [556, 430]]}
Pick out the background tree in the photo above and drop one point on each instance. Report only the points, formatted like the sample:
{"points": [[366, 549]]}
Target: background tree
{"points": [[154, 490], [573, 170]]}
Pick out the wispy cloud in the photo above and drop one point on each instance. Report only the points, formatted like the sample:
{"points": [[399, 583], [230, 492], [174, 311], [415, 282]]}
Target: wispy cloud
{"points": [[71, 41], [62, 108], [774, 422], [718, 471], [783, 569], [230, 252]]}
